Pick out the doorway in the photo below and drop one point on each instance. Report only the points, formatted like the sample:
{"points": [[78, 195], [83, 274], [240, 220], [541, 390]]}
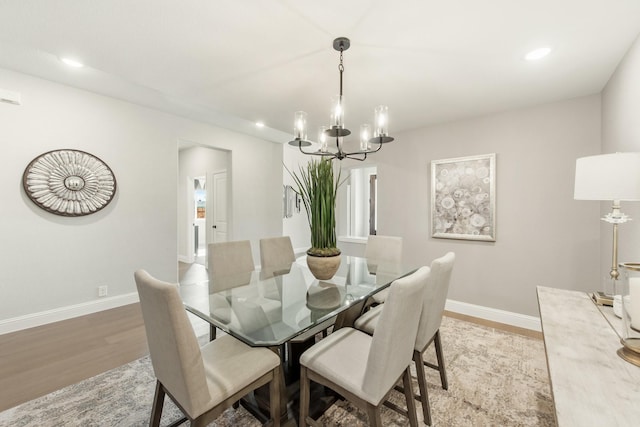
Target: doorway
{"points": [[210, 215], [218, 221], [203, 199], [200, 219]]}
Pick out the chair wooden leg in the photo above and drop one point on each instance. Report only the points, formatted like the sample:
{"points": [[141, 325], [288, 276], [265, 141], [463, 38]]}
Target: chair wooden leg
{"points": [[304, 397], [422, 384], [274, 397], [408, 394], [374, 416], [212, 332], [158, 403], [440, 357]]}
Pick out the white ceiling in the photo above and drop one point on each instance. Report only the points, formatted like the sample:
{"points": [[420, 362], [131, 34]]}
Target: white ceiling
{"points": [[233, 62]]}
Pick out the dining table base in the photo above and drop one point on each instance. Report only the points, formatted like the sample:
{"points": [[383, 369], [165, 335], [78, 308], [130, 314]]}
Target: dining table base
{"points": [[257, 403], [321, 398]]}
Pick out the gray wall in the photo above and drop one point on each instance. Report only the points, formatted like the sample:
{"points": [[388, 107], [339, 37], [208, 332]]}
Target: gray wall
{"points": [[544, 237], [620, 133], [49, 262]]}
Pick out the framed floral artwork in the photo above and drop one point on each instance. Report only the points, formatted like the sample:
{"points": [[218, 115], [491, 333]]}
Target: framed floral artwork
{"points": [[463, 198]]}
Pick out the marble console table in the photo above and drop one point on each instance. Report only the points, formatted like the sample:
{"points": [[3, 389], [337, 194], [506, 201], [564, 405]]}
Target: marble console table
{"points": [[591, 385]]}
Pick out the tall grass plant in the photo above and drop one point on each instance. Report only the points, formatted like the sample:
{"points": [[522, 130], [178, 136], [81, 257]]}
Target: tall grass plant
{"points": [[318, 189]]}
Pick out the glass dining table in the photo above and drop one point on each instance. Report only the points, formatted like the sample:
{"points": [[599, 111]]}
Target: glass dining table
{"points": [[285, 306], [268, 308]]}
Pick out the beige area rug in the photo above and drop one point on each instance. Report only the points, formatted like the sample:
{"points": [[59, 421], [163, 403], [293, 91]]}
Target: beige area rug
{"points": [[495, 379]]}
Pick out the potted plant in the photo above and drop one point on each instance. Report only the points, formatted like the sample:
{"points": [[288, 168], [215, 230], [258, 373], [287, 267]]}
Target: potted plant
{"points": [[318, 188]]}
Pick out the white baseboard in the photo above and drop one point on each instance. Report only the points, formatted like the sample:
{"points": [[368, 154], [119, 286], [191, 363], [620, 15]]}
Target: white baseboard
{"points": [[42, 318], [57, 314], [495, 315]]}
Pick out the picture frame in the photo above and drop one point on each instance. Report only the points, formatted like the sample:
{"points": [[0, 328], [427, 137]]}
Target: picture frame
{"points": [[463, 198], [290, 201]]}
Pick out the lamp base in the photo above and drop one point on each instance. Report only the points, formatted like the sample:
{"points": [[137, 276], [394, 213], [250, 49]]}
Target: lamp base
{"points": [[601, 298], [629, 351]]}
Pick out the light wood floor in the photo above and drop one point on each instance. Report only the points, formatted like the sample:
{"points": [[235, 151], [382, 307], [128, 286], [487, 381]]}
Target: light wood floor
{"points": [[37, 361]]}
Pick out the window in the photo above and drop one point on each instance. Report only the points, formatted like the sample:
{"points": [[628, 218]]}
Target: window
{"points": [[373, 206], [361, 202]]}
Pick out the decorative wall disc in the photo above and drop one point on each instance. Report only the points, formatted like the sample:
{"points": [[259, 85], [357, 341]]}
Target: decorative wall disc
{"points": [[69, 182]]}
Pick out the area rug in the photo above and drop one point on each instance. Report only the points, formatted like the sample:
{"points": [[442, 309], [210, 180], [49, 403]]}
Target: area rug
{"points": [[495, 379]]}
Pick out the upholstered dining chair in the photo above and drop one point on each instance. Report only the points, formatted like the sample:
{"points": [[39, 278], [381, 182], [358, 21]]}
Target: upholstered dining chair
{"points": [[276, 255], [383, 249], [230, 265], [364, 368], [435, 298], [202, 382]]}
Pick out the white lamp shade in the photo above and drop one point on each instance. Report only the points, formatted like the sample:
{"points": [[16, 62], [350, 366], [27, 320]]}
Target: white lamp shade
{"points": [[608, 177]]}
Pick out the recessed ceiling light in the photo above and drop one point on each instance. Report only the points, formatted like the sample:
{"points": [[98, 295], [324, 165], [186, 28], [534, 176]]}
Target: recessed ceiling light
{"points": [[72, 62], [536, 54], [260, 124]]}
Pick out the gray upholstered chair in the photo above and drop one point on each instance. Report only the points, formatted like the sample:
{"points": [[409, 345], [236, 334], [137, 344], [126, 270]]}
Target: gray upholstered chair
{"points": [[276, 255], [364, 368], [429, 330], [383, 250], [203, 382], [230, 264]]}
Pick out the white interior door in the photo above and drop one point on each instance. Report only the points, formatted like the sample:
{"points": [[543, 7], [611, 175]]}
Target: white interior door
{"points": [[190, 224], [219, 220]]}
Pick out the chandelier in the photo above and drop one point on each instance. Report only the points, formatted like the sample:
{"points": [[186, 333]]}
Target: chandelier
{"points": [[369, 143]]}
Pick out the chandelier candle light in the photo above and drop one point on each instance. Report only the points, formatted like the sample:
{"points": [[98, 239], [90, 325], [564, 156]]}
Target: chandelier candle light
{"points": [[368, 143]]}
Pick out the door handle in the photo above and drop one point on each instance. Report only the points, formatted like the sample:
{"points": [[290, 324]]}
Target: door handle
{"points": [[214, 226]]}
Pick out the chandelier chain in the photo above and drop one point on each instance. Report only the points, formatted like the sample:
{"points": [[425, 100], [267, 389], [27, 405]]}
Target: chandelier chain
{"points": [[341, 69]]}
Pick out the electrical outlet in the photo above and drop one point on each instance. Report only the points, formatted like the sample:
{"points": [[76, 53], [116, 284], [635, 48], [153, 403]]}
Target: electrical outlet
{"points": [[102, 291]]}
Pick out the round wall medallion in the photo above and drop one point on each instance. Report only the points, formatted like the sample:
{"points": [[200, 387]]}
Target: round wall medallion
{"points": [[69, 182]]}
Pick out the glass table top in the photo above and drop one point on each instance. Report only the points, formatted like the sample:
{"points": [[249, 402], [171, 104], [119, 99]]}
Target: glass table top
{"points": [[269, 308]]}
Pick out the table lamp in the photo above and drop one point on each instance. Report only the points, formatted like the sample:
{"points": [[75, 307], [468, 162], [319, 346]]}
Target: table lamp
{"points": [[609, 177]]}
